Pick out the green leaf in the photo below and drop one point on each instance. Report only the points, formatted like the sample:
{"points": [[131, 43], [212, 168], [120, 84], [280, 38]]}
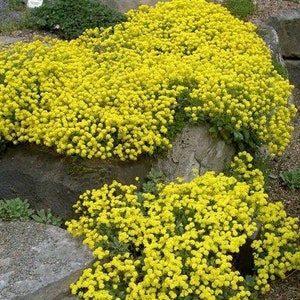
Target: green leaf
{"points": [[246, 134], [238, 136], [213, 130], [291, 178], [37, 218]]}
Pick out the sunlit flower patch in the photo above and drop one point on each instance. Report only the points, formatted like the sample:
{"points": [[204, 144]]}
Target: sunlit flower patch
{"points": [[116, 92], [179, 241]]}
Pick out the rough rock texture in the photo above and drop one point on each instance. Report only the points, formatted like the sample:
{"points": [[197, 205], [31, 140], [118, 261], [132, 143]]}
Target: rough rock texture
{"points": [[270, 36], [125, 5], [195, 151], [287, 26], [49, 180], [6, 40], [293, 68], [296, 97], [39, 261]]}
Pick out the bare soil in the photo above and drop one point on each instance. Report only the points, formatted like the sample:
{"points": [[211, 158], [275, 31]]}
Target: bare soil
{"points": [[289, 288]]}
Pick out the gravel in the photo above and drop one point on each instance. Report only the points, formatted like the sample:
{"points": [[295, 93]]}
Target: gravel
{"points": [[267, 8]]}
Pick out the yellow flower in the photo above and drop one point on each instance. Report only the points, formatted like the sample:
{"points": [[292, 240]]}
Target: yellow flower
{"points": [[116, 94], [176, 243]]}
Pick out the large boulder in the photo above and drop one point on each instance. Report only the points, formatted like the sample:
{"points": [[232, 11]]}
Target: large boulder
{"points": [[287, 25], [39, 261], [50, 180], [194, 152]]}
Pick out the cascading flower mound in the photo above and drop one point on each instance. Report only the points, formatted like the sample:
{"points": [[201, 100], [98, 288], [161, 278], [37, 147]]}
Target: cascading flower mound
{"points": [[117, 92], [179, 241]]}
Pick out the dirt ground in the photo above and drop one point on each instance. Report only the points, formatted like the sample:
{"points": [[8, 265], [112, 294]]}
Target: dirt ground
{"points": [[288, 289]]}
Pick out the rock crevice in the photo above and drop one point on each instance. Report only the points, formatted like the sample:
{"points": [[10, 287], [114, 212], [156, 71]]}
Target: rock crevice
{"points": [[287, 26]]}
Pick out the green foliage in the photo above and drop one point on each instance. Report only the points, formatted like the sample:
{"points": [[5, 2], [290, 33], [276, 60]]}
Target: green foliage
{"points": [[240, 8], [154, 177], [280, 69], [184, 100], [18, 209], [291, 178], [16, 5], [262, 162], [242, 139], [15, 209], [69, 18], [172, 242], [46, 217]]}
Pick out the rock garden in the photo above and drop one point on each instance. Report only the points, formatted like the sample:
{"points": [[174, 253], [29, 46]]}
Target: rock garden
{"points": [[163, 143]]}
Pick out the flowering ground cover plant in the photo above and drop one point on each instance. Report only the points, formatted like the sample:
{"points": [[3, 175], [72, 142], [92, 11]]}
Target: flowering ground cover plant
{"points": [[178, 242], [124, 91]]}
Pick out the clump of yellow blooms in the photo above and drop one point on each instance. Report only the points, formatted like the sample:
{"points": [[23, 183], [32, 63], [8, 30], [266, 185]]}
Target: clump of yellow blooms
{"points": [[179, 242], [115, 92]]}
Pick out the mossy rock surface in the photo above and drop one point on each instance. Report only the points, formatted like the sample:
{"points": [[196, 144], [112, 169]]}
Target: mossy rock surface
{"points": [[50, 180]]}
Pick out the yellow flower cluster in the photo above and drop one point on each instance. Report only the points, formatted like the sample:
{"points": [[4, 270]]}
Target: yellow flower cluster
{"points": [[114, 92], [179, 243], [278, 250]]}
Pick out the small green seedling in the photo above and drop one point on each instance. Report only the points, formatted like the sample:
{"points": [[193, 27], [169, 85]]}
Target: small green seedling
{"points": [[291, 178], [46, 217], [15, 209], [18, 209]]}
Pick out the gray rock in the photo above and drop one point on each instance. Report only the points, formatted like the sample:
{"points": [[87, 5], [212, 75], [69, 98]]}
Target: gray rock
{"points": [[287, 25], [6, 40], [39, 261], [293, 67], [296, 97], [194, 152], [270, 36], [50, 180]]}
